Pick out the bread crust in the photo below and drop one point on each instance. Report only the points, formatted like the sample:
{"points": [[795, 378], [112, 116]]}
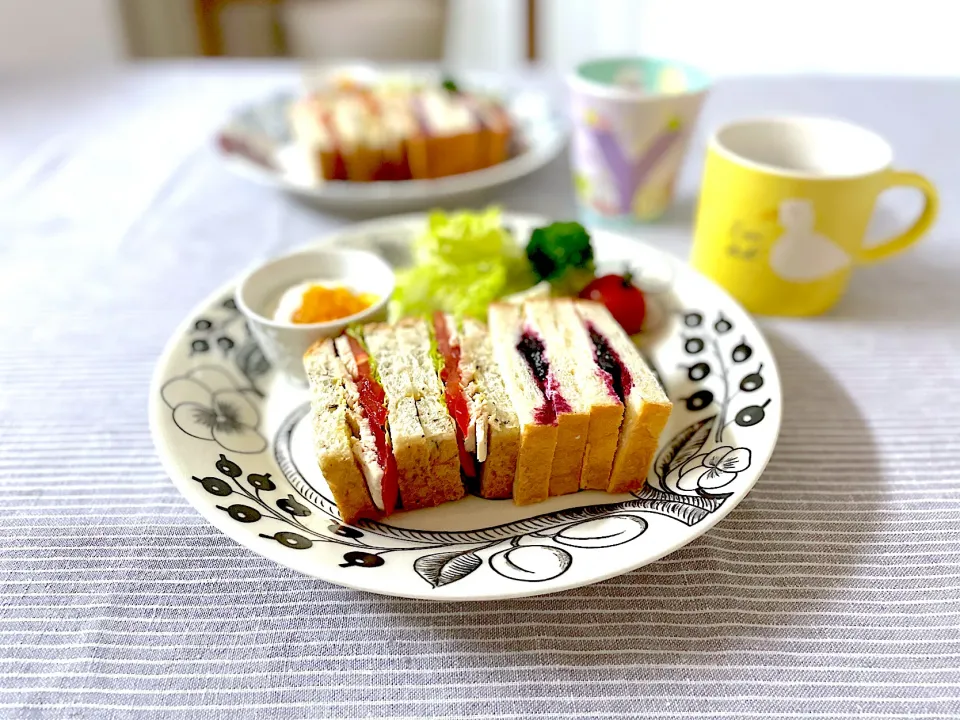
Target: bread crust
{"points": [[500, 469], [332, 434], [646, 408], [638, 444], [348, 486], [538, 442], [602, 439], [532, 482], [567, 464], [423, 433], [478, 368]]}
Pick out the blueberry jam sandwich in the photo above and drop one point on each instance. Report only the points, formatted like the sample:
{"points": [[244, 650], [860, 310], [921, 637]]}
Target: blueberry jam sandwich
{"points": [[627, 377]]}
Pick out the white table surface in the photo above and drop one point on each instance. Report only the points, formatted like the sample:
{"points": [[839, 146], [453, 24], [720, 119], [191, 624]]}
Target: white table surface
{"points": [[832, 591]]}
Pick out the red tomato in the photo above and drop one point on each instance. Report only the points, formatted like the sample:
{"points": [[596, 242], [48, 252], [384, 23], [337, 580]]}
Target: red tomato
{"points": [[622, 298], [373, 402], [456, 400]]}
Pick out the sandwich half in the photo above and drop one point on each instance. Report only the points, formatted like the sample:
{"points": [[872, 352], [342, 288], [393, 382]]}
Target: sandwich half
{"points": [[521, 357], [422, 433], [626, 376], [546, 339], [349, 422], [488, 431], [588, 393]]}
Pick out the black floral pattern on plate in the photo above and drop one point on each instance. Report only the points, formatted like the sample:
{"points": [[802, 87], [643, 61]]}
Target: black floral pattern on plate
{"points": [[207, 404], [701, 370], [534, 549], [223, 328]]}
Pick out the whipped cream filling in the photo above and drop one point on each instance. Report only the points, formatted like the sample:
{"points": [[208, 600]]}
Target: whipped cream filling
{"points": [[292, 299], [363, 443], [446, 113]]}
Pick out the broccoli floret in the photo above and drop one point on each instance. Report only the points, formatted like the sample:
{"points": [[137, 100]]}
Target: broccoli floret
{"points": [[561, 253]]}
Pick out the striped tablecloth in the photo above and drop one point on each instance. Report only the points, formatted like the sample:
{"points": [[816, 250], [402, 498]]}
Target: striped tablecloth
{"points": [[832, 591]]}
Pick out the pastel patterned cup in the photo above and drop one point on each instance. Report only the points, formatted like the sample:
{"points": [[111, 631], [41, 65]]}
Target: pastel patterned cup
{"points": [[632, 120]]}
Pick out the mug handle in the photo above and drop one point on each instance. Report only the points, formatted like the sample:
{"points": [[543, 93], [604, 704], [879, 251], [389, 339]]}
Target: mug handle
{"points": [[908, 237]]}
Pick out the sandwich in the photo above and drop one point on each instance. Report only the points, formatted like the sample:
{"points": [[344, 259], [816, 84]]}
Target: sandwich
{"points": [[627, 377], [403, 415], [556, 383], [383, 436], [386, 131], [349, 423], [553, 399], [477, 399], [520, 354], [422, 432], [494, 122], [588, 392]]}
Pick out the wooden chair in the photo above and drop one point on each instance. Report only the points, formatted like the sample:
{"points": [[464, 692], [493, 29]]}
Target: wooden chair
{"points": [[209, 15]]}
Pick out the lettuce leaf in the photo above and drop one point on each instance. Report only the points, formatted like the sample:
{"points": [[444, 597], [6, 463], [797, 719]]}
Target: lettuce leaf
{"points": [[463, 262], [355, 331], [439, 362]]}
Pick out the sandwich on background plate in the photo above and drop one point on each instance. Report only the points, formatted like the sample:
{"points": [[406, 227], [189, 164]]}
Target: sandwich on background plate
{"points": [[388, 131], [554, 398]]}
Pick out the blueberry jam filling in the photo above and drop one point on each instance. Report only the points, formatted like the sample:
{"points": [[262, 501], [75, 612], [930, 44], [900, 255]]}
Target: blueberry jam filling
{"points": [[617, 376], [559, 402], [534, 353]]}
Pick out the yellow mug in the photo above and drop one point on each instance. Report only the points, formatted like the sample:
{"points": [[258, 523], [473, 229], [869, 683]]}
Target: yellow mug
{"points": [[784, 209]]}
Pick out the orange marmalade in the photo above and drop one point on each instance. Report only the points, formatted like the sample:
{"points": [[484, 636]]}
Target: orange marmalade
{"points": [[323, 304]]}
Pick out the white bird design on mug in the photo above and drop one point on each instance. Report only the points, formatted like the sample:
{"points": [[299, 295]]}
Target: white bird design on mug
{"points": [[800, 254]]}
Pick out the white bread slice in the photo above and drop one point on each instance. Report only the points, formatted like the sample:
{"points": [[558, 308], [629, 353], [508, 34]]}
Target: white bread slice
{"points": [[423, 433], [363, 442], [538, 441], [646, 406], [582, 379], [333, 435], [573, 423], [498, 429]]}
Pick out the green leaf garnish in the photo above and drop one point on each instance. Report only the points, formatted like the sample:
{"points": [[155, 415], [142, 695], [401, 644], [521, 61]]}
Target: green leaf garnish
{"points": [[356, 332]]}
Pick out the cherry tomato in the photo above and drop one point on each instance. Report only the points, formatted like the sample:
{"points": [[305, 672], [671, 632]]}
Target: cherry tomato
{"points": [[622, 298]]}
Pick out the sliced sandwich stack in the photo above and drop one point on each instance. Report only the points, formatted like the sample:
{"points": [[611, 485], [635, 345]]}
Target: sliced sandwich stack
{"points": [[553, 399], [365, 134]]}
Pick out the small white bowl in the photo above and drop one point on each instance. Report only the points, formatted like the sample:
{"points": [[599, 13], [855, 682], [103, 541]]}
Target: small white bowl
{"points": [[284, 342]]}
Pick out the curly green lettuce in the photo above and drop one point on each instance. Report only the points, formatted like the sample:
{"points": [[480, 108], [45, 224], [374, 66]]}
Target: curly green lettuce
{"points": [[463, 261]]}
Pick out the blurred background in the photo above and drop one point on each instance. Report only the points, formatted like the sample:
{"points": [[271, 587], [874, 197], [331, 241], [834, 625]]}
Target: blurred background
{"points": [[734, 37]]}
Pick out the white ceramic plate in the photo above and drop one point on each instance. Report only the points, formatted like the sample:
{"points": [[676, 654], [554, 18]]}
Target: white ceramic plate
{"points": [[275, 160], [235, 439]]}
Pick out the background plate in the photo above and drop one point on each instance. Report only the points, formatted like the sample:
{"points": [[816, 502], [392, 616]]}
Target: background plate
{"points": [[541, 130]]}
